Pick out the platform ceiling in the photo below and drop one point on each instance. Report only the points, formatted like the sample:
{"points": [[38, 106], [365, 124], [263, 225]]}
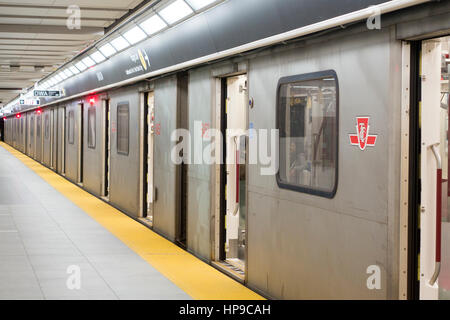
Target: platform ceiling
{"points": [[35, 39]]}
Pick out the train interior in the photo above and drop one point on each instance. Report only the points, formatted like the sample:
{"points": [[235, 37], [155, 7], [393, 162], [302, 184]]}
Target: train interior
{"points": [[232, 192], [433, 254], [150, 128]]}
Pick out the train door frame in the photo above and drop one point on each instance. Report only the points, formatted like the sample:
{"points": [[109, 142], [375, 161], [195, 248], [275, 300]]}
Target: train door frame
{"points": [[80, 142], [106, 148], [41, 117], [52, 140], [63, 140], [418, 187], [34, 134], [220, 177], [182, 119], [147, 100], [2, 129]]}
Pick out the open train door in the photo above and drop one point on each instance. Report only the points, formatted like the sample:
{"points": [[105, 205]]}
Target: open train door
{"points": [[434, 256], [233, 192]]}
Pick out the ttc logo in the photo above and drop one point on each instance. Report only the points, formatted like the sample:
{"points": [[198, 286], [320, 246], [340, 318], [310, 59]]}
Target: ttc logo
{"points": [[362, 138]]}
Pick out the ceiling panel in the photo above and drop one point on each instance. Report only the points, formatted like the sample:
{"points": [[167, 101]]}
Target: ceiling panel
{"points": [[34, 33]]}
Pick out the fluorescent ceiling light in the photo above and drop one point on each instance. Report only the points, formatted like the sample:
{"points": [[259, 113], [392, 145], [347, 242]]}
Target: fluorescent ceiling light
{"points": [[153, 25], [88, 62], [175, 11], [98, 57], [74, 70], [107, 50], [58, 78], [134, 35], [62, 75], [68, 73], [199, 4], [120, 43], [80, 66]]}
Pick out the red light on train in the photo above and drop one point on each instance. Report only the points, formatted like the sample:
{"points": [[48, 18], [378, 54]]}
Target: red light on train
{"points": [[4, 118], [38, 111], [18, 116], [92, 101]]}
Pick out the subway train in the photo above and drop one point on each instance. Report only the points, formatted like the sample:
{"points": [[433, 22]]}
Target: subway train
{"points": [[328, 134]]}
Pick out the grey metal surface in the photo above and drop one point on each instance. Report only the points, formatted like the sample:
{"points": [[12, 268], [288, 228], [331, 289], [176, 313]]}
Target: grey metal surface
{"points": [[71, 149], [42, 233], [92, 157], [124, 170], [30, 134], [54, 138], [199, 175], [46, 136], [302, 246], [60, 139], [165, 210], [38, 137]]}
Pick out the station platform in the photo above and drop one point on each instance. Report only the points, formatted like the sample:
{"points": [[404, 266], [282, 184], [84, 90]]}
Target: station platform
{"points": [[49, 227]]}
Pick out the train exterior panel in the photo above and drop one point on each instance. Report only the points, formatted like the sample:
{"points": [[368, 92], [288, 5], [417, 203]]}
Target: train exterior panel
{"points": [[125, 154], [199, 197], [73, 141], [60, 141], [165, 171], [93, 146]]}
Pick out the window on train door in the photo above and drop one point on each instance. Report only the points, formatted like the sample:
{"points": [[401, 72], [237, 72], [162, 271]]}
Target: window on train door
{"points": [[91, 127], [38, 127], [46, 127], [307, 119], [71, 127], [123, 128]]}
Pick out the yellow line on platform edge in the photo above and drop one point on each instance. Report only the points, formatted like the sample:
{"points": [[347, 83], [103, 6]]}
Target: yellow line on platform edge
{"points": [[195, 277]]}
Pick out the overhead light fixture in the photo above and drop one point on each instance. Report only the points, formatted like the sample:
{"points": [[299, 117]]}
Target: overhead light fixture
{"points": [[62, 75], [98, 57], [88, 62], [153, 24], [74, 70], [81, 66], [120, 43], [107, 50], [200, 4], [58, 78], [134, 35], [68, 73], [175, 11]]}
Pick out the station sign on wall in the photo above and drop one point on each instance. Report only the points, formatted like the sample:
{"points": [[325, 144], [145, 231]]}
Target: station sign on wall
{"points": [[47, 93], [29, 102]]}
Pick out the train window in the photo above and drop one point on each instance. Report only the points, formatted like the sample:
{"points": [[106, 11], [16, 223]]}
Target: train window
{"points": [[38, 127], [123, 130], [91, 127], [71, 127], [307, 119], [47, 127]]}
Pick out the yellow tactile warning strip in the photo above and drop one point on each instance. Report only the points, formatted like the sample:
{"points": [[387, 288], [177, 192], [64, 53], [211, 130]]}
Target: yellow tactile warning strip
{"points": [[193, 276]]}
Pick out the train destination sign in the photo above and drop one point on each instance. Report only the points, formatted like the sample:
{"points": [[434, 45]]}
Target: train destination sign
{"points": [[47, 93]]}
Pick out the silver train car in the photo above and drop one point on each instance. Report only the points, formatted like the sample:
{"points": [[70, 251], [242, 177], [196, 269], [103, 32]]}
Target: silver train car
{"points": [[344, 199]]}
